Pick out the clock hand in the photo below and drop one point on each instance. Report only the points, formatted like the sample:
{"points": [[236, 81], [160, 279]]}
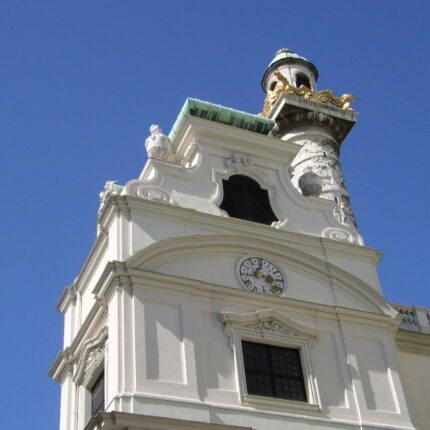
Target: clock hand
{"points": [[269, 279]]}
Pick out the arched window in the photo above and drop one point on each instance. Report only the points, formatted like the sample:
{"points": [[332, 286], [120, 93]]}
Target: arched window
{"points": [[245, 199], [302, 79], [273, 85]]}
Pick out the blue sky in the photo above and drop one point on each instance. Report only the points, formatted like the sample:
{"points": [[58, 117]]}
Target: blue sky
{"points": [[82, 81]]}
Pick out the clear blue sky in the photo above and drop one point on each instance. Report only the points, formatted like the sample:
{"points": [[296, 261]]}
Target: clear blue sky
{"points": [[82, 81]]}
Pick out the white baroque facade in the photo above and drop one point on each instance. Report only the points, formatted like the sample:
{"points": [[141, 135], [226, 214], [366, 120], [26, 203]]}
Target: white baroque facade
{"points": [[178, 285]]}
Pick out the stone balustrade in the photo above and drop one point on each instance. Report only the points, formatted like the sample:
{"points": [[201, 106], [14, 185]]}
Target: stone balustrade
{"points": [[413, 318]]}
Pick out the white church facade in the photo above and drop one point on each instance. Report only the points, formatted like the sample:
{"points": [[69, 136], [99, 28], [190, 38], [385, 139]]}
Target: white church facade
{"points": [[229, 287]]}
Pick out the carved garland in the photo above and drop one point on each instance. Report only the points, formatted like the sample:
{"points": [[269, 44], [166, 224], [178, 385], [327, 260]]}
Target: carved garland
{"points": [[266, 320]]}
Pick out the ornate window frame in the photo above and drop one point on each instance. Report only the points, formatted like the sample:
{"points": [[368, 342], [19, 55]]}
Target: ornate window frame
{"points": [[245, 165], [239, 164], [90, 364], [272, 327]]}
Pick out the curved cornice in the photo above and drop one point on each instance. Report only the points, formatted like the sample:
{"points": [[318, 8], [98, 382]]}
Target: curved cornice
{"points": [[163, 251]]}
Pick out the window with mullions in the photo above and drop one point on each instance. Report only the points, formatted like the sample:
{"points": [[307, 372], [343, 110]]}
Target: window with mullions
{"points": [[245, 199], [98, 395], [273, 371]]}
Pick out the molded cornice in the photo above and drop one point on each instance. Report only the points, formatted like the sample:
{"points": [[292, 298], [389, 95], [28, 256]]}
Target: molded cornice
{"points": [[95, 254], [124, 420], [67, 358], [409, 341], [197, 244], [138, 269], [236, 139], [116, 204]]}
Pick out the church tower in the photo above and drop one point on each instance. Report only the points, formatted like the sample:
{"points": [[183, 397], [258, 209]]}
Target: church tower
{"points": [[229, 288]]}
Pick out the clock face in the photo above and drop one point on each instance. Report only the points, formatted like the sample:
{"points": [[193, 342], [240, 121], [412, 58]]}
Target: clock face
{"points": [[261, 276]]}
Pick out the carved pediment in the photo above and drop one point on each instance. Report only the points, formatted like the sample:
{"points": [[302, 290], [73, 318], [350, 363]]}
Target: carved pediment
{"points": [[271, 325], [90, 357], [267, 320]]}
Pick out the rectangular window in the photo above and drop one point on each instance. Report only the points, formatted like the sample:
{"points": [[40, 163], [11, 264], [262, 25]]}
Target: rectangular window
{"points": [[273, 371], [98, 395]]}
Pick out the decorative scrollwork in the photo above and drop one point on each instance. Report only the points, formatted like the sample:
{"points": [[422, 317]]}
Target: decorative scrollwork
{"points": [[93, 358], [270, 325], [342, 235], [142, 190], [90, 357]]}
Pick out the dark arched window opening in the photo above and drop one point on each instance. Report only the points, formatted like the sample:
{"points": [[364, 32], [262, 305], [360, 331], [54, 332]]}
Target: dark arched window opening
{"points": [[273, 85], [245, 199], [302, 80]]}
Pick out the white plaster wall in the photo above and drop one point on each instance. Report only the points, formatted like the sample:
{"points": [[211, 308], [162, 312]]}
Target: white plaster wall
{"points": [[184, 363], [148, 227], [265, 159], [416, 381], [222, 268], [68, 405], [167, 352]]}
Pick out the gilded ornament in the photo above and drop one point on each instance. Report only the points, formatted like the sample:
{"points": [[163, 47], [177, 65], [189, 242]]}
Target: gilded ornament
{"points": [[324, 96]]}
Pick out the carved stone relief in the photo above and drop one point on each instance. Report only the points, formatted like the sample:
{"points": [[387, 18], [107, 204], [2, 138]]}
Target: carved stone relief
{"points": [[237, 161], [93, 359], [270, 325], [342, 235], [90, 357], [110, 188], [322, 158], [343, 212], [191, 156], [141, 189]]}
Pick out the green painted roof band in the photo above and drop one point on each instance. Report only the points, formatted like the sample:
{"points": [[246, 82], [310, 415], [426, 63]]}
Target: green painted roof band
{"points": [[285, 55], [222, 115]]}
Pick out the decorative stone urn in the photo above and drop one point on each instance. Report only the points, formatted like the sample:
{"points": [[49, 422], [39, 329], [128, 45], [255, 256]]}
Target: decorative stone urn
{"points": [[310, 184], [158, 145]]}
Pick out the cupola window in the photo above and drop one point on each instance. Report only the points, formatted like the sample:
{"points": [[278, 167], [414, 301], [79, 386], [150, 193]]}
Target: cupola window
{"points": [[302, 79], [245, 199], [273, 85]]}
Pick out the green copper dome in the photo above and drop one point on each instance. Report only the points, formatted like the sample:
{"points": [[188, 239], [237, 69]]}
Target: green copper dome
{"points": [[285, 55]]}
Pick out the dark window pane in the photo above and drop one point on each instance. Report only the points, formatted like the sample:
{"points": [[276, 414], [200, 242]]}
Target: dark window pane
{"points": [[98, 395], [244, 199], [273, 371], [302, 80]]}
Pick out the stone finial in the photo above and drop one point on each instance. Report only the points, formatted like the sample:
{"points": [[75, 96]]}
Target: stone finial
{"points": [[282, 50], [108, 190], [158, 145]]}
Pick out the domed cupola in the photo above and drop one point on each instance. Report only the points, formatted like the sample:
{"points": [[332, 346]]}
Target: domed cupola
{"points": [[296, 69]]}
